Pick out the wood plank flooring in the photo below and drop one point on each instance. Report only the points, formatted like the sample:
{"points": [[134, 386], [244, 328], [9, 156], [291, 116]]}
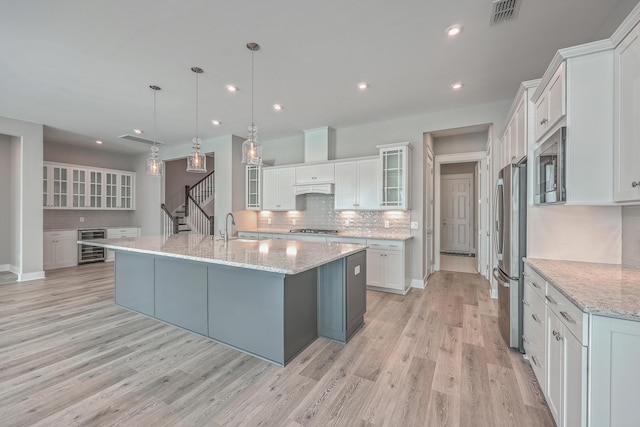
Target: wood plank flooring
{"points": [[69, 356]]}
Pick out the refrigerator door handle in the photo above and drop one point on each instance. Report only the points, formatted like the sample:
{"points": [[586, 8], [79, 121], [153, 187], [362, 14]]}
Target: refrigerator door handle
{"points": [[497, 274], [497, 237]]}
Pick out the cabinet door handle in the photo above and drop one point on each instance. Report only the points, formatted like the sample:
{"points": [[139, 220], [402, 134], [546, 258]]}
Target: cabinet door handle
{"points": [[634, 184], [567, 317], [551, 300], [535, 360], [543, 121], [536, 318], [536, 285]]}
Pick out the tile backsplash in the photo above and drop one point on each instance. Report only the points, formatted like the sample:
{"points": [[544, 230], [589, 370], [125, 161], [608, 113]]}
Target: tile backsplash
{"points": [[54, 219], [320, 213], [631, 236]]}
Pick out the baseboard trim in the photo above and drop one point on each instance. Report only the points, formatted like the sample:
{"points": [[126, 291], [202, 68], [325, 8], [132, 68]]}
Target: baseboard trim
{"points": [[494, 293], [25, 277], [417, 283], [5, 267]]}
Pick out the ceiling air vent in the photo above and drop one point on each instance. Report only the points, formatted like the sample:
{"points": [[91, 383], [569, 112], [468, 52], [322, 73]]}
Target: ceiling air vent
{"points": [[504, 10], [139, 139]]}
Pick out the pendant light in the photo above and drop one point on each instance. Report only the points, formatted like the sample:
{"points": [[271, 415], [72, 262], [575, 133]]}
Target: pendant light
{"points": [[196, 162], [252, 148], [155, 166]]}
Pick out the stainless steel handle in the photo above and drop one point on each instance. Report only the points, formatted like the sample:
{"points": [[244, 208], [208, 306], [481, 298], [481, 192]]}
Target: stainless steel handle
{"points": [[551, 300], [543, 121], [535, 360], [536, 285], [634, 184], [557, 335], [536, 318], [567, 317]]}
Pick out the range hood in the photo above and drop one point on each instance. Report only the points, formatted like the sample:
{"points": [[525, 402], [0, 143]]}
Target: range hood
{"points": [[313, 189]]}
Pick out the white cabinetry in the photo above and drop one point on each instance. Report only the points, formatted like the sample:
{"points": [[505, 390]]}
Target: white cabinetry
{"points": [[60, 249], [516, 133], [626, 124], [386, 265], [278, 191], [356, 185], [78, 187], [253, 189], [614, 372], [120, 233], [321, 173], [396, 161], [551, 105], [534, 326]]}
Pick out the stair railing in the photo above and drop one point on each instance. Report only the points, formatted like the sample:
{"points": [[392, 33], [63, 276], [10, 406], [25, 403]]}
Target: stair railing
{"points": [[169, 222], [198, 219], [202, 191]]}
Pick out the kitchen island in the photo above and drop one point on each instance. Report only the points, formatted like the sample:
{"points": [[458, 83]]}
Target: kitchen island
{"points": [[268, 298]]}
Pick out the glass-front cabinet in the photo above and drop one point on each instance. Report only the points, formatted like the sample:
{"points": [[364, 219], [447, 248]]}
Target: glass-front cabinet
{"points": [[253, 190], [395, 164], [67, 186]]}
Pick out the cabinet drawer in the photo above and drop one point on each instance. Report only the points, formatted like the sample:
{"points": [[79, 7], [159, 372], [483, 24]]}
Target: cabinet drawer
{"points": [[571, 316], [536, 352], [535, 281], [385, 244], [534, 314]]}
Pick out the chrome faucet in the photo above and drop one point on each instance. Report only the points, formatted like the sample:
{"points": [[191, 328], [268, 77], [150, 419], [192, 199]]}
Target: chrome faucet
{"points": [[226, 225]]}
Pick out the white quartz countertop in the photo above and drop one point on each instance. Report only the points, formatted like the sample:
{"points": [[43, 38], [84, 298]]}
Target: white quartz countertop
{"points": [[610, 290], [276, 256], [342, 233]]}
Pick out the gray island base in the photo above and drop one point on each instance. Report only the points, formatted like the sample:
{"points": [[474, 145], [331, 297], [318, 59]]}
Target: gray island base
{"points": [[270, 314]]}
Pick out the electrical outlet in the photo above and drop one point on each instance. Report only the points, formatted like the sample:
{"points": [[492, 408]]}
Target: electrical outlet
{"points": [[269, 221], [414, 225], [81, 219], [347, 223], [386, 223], [293, 221]]}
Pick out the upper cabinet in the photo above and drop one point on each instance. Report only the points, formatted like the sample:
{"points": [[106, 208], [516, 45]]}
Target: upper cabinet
{"points": [[627, 118], [78, 187], [551, 105], [395, 164], [516, 133], [356, 187], [321, 173], [253, 189], [278, 192]]}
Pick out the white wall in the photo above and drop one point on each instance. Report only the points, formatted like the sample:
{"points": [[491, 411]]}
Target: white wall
{"points": [[5, 198], [464, 143], [357, 141], [87, 156], [27, 202], [575, 233]]}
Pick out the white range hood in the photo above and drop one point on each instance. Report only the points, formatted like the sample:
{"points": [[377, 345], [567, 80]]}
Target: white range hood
{"points": [[319, 147]]}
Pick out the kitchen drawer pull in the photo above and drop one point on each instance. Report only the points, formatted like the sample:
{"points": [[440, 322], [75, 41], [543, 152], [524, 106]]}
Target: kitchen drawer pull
{"points": [[567, 317], [536, 285], [536, 318], [551, 300], [535, 360]]}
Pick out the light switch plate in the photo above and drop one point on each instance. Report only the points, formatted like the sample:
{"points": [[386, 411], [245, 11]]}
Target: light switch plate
{"points": [[269, 221], [414, 225], [81, 219], [294, 221]]}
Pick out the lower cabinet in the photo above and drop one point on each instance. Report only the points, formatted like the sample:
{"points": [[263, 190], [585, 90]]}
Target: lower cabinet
{"points": [[60, 249], [386, 269]]}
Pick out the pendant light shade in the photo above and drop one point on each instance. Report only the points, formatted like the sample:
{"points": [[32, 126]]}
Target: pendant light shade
{"points": [[196, 162], [252, 148], [155, 166]]}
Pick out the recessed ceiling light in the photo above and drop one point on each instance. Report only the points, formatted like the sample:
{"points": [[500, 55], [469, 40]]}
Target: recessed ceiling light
{"points": [[278, 107], [232, 88], [138, 131], [98, 142], [216, 122], [454, 30], [363, 85], [457, 85]]}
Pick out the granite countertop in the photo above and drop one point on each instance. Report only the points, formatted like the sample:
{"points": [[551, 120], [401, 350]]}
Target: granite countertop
{"points": [[610, 290], [276, 256], [110, 227], [403, 235]]}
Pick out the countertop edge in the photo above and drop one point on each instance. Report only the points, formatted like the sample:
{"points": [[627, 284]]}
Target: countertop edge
{"points": [[595, 310], [222, 262], [339, 234]]}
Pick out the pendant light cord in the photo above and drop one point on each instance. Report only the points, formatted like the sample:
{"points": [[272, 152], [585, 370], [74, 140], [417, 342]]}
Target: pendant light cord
{"points": [[155, 115], [252, 90], [197, 107]]}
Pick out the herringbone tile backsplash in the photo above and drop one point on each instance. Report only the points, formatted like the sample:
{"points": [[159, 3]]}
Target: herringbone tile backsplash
{"points": [[320, 213]]}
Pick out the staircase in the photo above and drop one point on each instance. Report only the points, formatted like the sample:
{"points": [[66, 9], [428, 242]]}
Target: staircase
{"points": [[190, 215]]}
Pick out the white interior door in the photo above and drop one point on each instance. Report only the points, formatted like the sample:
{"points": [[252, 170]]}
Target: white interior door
{"points": [[456, 213]]}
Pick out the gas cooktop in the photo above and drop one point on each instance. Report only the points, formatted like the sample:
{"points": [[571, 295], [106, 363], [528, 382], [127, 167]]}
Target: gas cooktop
{"points": [[313, 231]]}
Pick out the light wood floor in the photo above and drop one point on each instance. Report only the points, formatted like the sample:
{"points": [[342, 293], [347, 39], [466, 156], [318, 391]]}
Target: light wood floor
{"points": [[69, 356], [458, 263]]}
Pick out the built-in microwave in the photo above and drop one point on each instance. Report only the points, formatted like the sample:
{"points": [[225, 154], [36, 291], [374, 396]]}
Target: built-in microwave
{"points": [[549, 170]]}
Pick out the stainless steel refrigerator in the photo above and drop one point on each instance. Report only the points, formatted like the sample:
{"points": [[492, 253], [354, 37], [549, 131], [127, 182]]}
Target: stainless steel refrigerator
{"points": [[510, 245]]}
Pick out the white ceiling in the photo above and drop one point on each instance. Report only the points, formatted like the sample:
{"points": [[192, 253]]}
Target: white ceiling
{"points": [[84, 67]]}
